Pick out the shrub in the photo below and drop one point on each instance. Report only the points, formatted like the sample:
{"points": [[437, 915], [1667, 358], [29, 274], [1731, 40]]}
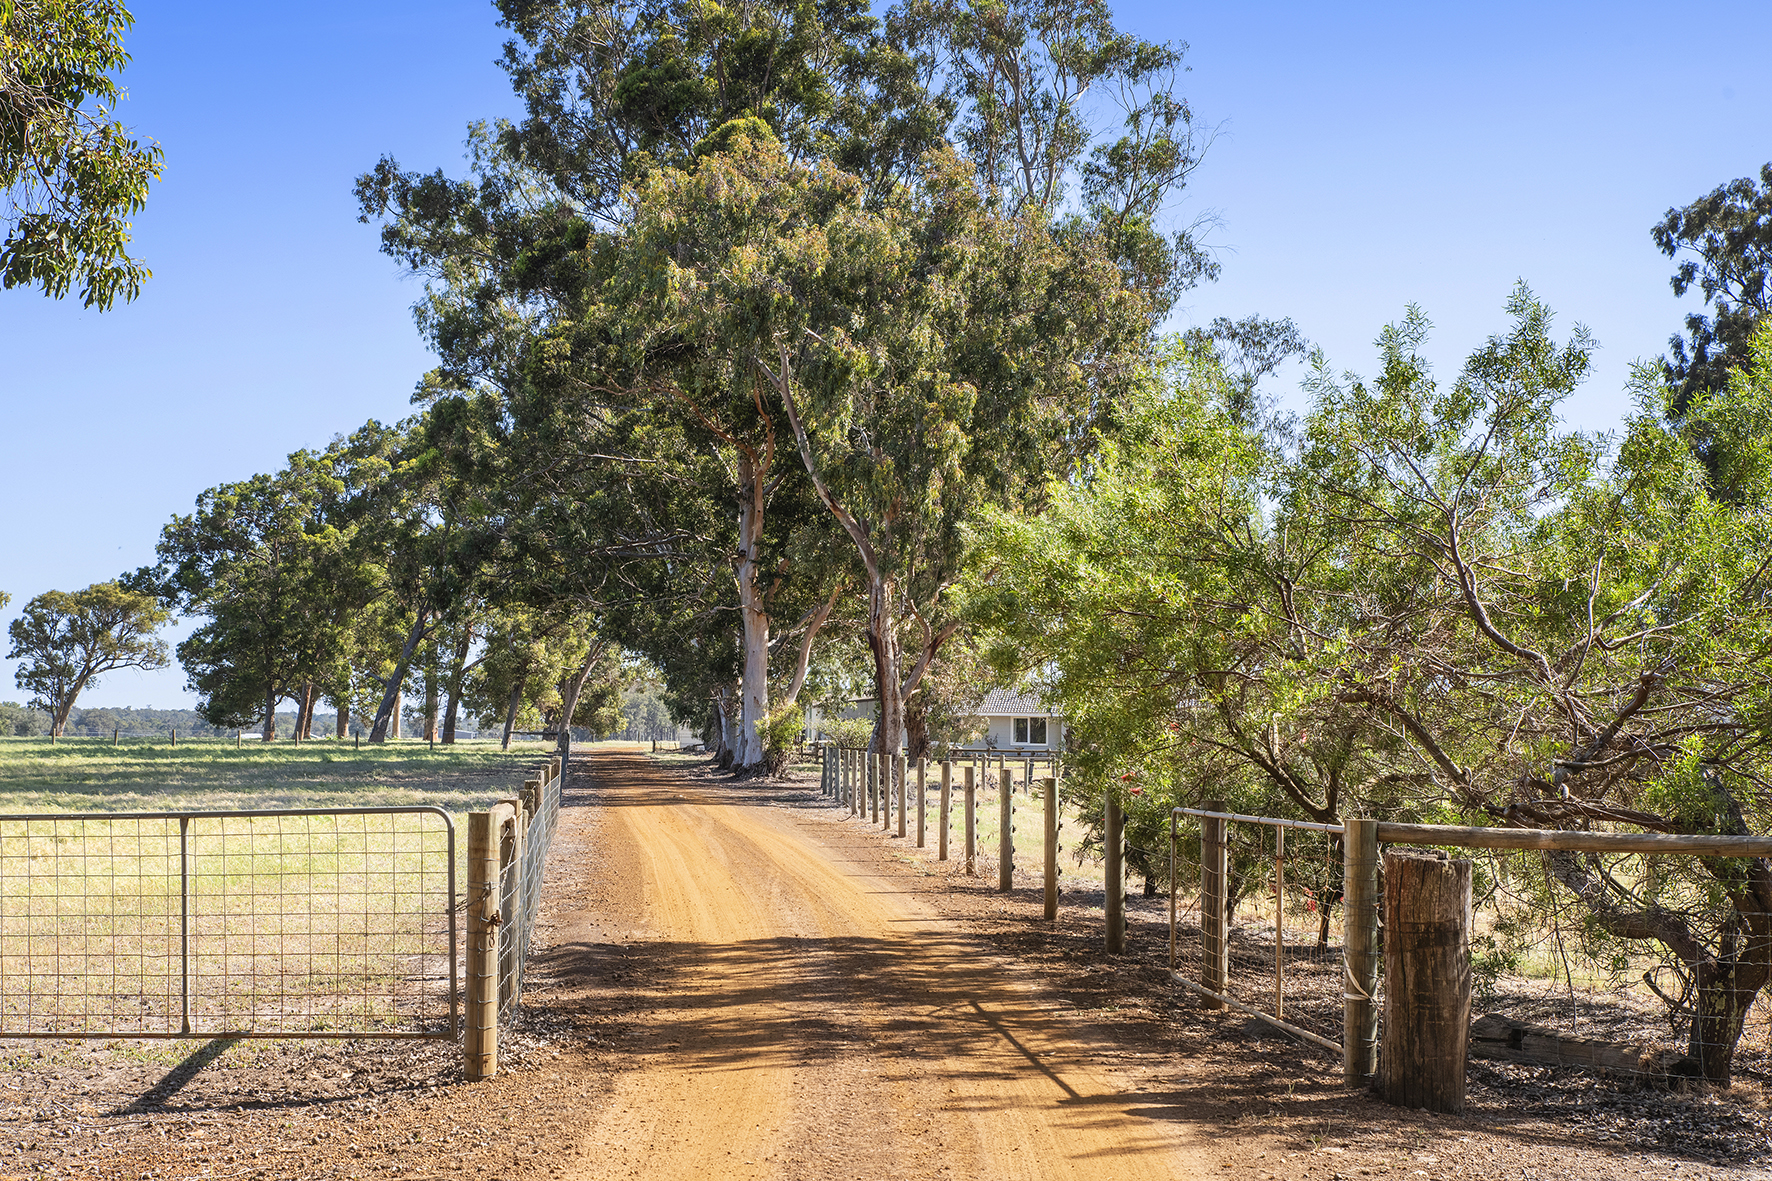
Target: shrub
{"points": [[782, 729], [853, 733]]}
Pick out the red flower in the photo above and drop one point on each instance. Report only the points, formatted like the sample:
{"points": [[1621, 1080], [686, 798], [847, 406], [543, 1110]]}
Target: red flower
{"points": [[1138, 791]]}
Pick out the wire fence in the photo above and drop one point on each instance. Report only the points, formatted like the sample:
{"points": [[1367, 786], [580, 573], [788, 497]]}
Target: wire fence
{"points": [[1275, 946], [508, 847], [288, 923], [1637, 954]]}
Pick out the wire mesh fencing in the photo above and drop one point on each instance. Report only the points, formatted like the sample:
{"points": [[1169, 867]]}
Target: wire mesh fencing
{"points": [[1258, 921], [508, 847], [247, 923], [1619, 951]]}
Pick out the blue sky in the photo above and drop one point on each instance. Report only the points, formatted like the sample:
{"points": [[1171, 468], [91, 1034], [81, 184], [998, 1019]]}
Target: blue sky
{"points": [[1366, 156]]}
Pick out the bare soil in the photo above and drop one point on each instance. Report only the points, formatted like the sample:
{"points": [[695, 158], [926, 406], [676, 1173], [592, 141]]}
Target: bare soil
{"points": [[731, 980]]}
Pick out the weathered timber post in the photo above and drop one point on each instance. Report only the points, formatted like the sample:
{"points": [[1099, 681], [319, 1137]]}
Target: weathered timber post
{"points": [[1006, 831], [947, 787], [480, 1029], [1427, 980], [904, 784], [1114, 840], [1214, 878], [922, 797], [1359, 947], [1049, 789], [849, 780], [873, 760], [969, 803]]}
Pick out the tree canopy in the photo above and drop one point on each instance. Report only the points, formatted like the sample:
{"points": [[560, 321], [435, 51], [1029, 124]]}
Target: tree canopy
{"points": [[71, 174], [66, 640], [1723, 242]]}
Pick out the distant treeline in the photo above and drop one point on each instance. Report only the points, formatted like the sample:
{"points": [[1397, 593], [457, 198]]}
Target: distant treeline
{"points": [[24, 722]]}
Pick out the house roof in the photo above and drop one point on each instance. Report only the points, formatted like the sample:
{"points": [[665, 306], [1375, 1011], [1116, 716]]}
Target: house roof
{"points": [[1006, 702]]}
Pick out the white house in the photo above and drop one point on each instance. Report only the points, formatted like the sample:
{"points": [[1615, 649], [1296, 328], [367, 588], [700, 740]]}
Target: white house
{"points": [[1014, 723]]}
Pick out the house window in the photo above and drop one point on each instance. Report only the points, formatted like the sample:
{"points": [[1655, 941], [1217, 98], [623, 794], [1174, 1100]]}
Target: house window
{"points": [[1037, 731], [1021, 729]]}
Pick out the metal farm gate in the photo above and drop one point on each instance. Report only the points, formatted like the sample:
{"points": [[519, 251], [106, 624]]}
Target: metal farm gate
{"points": [[291, 923]]}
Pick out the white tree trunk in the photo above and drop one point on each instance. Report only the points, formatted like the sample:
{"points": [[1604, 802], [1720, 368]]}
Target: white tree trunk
{"points": [[753, 702], [888, 660]]}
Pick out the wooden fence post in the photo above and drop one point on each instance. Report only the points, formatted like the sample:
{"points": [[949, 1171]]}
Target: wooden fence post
{"points": [[1006, 831], [1049, 788], [1427, 980], [904, 784], [1214, 878], [1359, 948], [969, 803], [873, 774], [849, 780], [480, 1031], [922, 796], [941, 832], [1114, 840]]}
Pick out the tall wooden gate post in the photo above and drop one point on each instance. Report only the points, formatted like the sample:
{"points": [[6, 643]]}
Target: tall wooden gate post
{"points": [[480, 1031], [1114, 842], [1049, 792], [1427, 980], [1006, 832], [1214, 878], [1359, 948]]}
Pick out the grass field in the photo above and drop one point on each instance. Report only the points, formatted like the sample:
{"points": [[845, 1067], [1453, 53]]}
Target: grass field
{"points": [[149, 774], [296, 923]]}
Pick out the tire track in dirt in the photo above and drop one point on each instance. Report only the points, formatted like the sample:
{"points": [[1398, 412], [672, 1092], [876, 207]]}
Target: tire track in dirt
{"points": [[810, 1016]]}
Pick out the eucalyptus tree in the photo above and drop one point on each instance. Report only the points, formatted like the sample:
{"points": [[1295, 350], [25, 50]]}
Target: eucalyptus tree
{"points": [[70, 173], [613, 90], [1723, 242], [65, 640], [268, 564]]}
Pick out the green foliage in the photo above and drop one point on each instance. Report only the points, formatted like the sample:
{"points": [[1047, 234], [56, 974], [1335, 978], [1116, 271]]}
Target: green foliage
{"points": [[66, 641], [70, 173], [1726, 240], [1431, 602], [783, 729], [22, 721], [849, 733]]}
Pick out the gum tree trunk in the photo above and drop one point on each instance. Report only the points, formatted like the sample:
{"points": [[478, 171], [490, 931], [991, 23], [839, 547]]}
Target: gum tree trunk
{"points": [[511, 712], [387, 717], [753, 700], [431, 702]]}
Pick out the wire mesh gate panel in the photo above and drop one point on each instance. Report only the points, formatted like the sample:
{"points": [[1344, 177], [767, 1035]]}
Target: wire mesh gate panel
{"points": [[1276, 948], [253, 923]]}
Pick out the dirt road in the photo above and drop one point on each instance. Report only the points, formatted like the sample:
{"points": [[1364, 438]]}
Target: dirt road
{"points": [[811, 1017]]}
